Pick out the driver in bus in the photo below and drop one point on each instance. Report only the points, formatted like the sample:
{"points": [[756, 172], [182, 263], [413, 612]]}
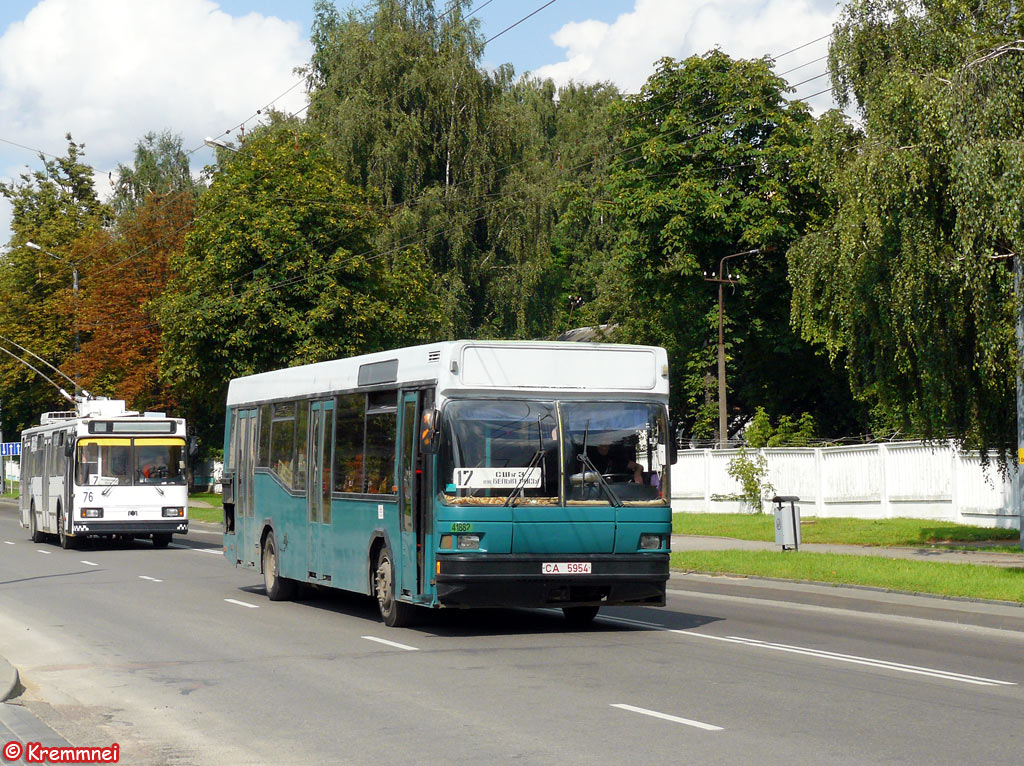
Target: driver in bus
{"points": [[156, 468], [615, 459]]}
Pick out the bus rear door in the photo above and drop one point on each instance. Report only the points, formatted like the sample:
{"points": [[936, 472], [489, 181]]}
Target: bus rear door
{"points": [[246, 538]]}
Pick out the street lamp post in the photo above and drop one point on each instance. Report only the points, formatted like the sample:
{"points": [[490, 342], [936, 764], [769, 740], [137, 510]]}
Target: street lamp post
{"points": [[74, 281], [723, 279]]}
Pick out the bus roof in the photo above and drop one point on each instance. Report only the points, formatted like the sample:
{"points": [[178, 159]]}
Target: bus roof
{"points": [[473, 366]]}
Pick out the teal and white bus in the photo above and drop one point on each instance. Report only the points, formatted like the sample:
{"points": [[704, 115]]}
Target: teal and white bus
{"points": [[457, 474]]}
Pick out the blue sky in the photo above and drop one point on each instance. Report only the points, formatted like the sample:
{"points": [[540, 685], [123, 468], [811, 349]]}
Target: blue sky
{"points": [[109, 71]]}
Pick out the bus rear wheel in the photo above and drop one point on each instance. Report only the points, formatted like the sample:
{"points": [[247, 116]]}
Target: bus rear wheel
{"points": [[278, 588], [33, 525], [393, 612], [580, 616]]}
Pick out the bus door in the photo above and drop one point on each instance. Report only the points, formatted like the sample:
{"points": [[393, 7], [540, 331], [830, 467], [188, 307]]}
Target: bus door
{"points": [[414, 495], [246, 538], [318, 488], [49, 520]]}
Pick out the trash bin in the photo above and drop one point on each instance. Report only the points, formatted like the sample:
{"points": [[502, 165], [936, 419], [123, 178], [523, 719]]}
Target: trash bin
{"points": [[787, 522]]}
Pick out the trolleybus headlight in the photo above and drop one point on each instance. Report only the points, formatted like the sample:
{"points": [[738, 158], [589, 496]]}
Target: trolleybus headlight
{"points": [[469, 542], [651, 542], [174, 512], [92, 513]]}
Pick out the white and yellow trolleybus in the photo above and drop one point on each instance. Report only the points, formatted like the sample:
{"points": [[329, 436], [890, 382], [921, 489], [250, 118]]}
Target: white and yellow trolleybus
{"points": [[104, 471]]}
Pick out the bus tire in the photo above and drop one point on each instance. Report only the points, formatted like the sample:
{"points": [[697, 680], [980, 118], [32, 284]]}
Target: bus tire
{"points": [[161, 539], [394, 613], [66, 542], [278, 588], [580, 616], [33, 525]]}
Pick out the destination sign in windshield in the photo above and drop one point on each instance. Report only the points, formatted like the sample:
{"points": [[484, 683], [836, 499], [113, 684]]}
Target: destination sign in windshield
{"points": [[497, 478]]}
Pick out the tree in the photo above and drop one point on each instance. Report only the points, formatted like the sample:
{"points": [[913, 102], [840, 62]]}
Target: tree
{"points": [[712, 161], [52, 207], [906, 278], [161, 166], [128, 271], [281, 268]]}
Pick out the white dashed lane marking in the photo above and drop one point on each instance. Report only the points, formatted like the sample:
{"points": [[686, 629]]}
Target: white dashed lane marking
{"points": [[667, 717], [395, 644], [241, 603]]}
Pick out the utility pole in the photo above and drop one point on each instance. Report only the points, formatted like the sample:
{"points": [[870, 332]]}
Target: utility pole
{"points": [[723, 279], [74, 281], [1018, 476]]}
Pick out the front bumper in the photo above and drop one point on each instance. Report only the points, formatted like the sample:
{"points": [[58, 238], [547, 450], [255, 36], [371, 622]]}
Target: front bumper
{"points": [[516, 580], [99, 527]]}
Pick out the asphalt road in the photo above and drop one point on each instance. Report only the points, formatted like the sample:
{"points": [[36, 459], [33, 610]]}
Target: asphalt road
{"points": [[181, 659]]}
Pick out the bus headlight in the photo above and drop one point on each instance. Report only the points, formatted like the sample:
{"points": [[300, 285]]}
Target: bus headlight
{"points": [[92, 513], [469, 542], [174, 513], [651, 542]]}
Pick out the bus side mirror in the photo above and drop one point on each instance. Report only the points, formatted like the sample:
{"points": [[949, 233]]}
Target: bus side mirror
{"points": [[430, 431], [673, 442], [69, 448]]}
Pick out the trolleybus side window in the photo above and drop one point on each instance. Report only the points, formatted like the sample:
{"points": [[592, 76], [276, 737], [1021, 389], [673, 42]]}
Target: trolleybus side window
{"points": [[301, 436]]}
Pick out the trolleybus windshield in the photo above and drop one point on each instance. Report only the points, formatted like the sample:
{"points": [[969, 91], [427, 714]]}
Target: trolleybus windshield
{"points": [[122, 461]]}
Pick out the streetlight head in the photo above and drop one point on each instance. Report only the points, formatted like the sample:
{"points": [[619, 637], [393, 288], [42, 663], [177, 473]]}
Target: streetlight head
{"points": [[216, 143], [33, 245]]}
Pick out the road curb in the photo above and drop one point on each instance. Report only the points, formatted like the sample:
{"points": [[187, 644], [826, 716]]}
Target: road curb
{"points": [[866, 589], [9, 681]]}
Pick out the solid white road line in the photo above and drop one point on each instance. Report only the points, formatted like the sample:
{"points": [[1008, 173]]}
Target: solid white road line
{"points": [[151, 579], [241, 603], [392, 643], [214, 551], [853, 659], [90, 563], [627, 621], [667, 717]]}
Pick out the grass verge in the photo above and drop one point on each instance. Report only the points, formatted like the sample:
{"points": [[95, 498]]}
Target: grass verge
{"points": [[215, 514], [841, 531], [965, 580]]}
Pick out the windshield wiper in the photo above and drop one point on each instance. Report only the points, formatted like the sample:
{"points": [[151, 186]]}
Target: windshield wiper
{"points": [[534, 462], [584, 458]]}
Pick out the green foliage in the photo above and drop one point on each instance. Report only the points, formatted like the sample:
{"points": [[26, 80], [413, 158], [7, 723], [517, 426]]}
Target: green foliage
{"points": [[160, 167], [52, 208], [280, 269], [713, 160], [750, 469], [902, 280]]}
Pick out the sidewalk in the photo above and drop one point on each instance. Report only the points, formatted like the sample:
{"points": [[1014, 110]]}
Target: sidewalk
{"points": [[987, 558]]}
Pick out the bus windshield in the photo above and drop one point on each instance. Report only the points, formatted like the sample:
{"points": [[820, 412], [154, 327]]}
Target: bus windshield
{"points": [[126, 462], [544, 453]]}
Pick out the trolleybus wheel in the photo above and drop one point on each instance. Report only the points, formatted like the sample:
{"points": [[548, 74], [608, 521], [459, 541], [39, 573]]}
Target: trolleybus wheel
{"points": [[278, 588], [62, 534], [579, 616], [161, 539], [33, 525], [395, 613]]}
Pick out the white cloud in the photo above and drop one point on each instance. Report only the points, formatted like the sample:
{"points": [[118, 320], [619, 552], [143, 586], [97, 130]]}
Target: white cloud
{"points": [[625, 51], [109, 71]]}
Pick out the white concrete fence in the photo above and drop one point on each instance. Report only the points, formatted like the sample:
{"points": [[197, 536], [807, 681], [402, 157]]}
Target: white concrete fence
{"points": [[873, 481]]}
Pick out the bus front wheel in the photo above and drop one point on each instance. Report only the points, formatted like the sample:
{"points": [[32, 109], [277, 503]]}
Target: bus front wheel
{"points": [[161, 539], [66, 542], [278, 588], [33, 525], [395, 613]]}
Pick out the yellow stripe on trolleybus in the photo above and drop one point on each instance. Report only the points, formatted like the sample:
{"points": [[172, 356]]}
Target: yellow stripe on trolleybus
{"points": [[147, 442], [105, 442]]}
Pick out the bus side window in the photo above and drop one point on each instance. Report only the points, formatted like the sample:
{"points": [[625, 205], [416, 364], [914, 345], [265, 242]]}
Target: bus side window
{"points": [[348, 443]]}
